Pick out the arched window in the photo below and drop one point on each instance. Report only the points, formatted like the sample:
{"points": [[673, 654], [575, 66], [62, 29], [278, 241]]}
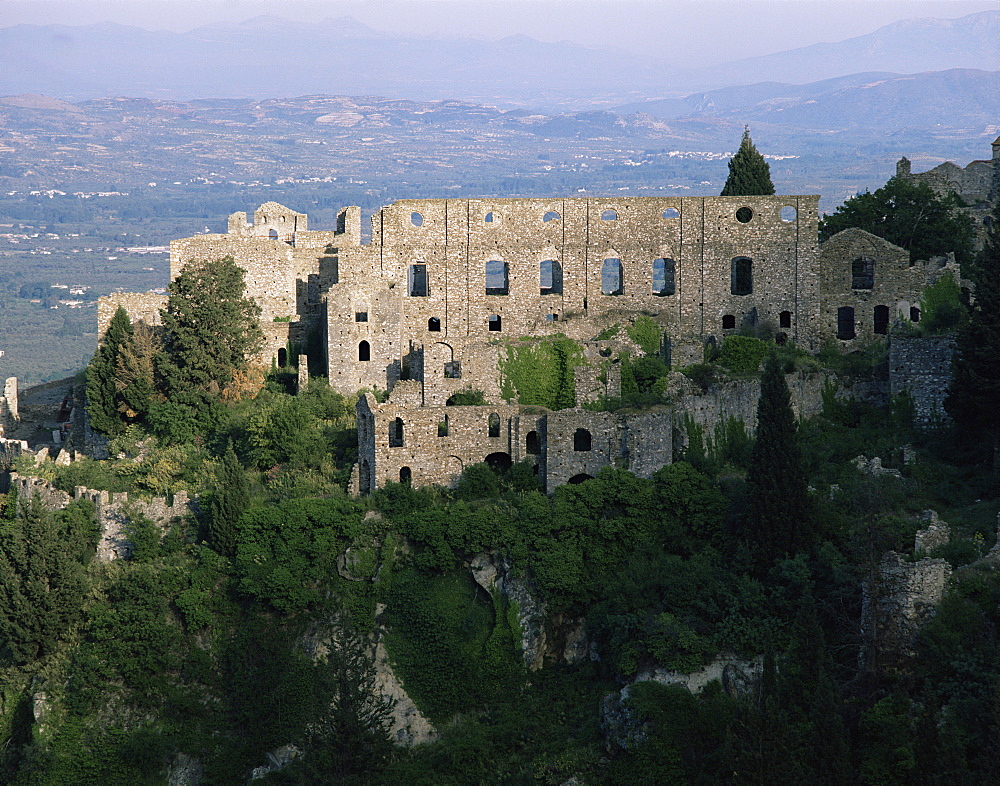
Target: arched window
{"points": [[881, 322], [671, 212], [785, 319], [845, 323], [273, 234], [863, 273], [364, 351], [550, 277], [609, 215], [493, 429], [434, 325], [611, 277], [497, 278], [741, 279], [532, 444], [495, 323], [416, 219], [282, 357], [405, 475], [581, 440], [914, 314], [396, 433], [728, 322], [551, 215], [663, 277]]}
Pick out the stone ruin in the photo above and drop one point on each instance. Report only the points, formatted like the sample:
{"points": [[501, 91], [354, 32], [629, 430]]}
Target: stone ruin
{"points": [[427, 308]]}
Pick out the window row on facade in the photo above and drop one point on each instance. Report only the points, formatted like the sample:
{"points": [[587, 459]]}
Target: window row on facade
{"points": [[663, 277], [786, 213], [582, 438], [847, 321]]}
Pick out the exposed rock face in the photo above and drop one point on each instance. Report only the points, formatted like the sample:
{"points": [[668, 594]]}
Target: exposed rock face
{"points": [[184, 770], [277, 760], [408, 726], [623, 729], [555, 638]]}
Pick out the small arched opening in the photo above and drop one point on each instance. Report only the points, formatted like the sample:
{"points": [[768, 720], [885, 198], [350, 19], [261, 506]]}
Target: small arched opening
{"points": [[493, 426], [785, 319], [273, 234], [405, 475], [282, 357], [499, 461], [729, 322], [581, 478], [914, 314], [532, 444], [582, 440], [434, 325], [364, 351]]}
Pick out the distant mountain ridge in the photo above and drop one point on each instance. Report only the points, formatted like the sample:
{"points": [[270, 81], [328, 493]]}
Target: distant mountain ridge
{"points": [[270, 56]]}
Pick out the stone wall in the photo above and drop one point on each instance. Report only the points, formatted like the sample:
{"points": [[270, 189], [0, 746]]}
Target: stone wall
{"points": [[114, 511], [140, 307], [423, 279], [9, 415], [921, 366]]}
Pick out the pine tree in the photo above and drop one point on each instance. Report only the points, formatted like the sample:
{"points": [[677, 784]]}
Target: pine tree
{"points": [[749, 173], [211, 328], [135, 377], [975, 388], [102, 399], [229, 502], [778, 516]]}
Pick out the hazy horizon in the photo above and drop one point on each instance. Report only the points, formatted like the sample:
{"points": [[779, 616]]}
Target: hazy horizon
{"points": [[688, 32]]}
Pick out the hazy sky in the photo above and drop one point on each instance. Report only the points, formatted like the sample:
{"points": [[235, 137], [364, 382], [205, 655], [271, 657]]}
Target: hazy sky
{"points": [[693, 31]]}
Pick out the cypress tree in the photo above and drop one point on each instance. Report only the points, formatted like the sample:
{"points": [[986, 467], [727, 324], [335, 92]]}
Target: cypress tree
{"points": [[975, 388], [749, 173], [229, 502], [102, 403], [777, 519]]}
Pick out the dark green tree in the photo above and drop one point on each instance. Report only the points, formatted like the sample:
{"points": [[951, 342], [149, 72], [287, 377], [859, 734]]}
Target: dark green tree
{"points": [[102, 395], [228, 503], [909, 214], [135, 373], [777, 522], [211, 327], [975, 388], [749, 173], [42, 577]]}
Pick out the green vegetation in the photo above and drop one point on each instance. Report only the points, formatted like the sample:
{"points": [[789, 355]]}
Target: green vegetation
{"points": [[910, 215], [540, 372], [749, 173]]}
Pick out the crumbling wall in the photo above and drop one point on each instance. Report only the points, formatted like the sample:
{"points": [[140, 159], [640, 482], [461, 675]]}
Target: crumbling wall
{"points": [[921, 367], [140, 307], [9, 415], [114, 511], [900, 599]]}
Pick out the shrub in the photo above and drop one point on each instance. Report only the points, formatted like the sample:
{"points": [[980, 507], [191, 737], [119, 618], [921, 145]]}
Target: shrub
{"points": [[743, 354]]}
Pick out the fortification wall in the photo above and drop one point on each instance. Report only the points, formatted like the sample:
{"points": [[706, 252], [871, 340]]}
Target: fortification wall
{"points": [[921, 366], [114, 512]]}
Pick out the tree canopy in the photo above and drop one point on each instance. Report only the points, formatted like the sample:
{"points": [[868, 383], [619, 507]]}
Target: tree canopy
{"points": [[211, 328], [909, 214], [102, 396], [749, 173], [975, 390]]}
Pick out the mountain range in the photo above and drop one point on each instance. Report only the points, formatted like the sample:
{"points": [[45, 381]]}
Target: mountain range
{"points": [[269, 56]]}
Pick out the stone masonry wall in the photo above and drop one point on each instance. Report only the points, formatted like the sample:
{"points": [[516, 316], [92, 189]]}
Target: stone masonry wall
{"points": [[454, 240], [9, 414], [113, 511], [140, 307], [921, 366]]}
